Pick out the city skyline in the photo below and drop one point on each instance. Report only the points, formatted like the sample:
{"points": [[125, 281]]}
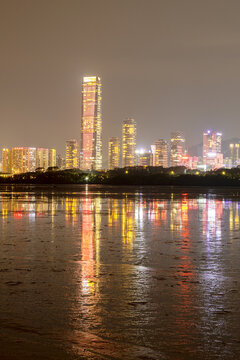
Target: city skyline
{"points": [[188, 74]]}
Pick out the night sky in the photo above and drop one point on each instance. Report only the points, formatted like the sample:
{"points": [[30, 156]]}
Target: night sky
{"points": [[171, 65]]}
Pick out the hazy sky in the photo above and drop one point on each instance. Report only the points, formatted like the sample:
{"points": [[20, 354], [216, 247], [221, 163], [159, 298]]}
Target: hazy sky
{"points": [[169, 64]]}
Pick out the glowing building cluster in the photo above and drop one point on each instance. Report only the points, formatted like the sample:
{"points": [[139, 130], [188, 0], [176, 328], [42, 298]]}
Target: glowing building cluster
{"points": [[87, 153], [27, 159]]}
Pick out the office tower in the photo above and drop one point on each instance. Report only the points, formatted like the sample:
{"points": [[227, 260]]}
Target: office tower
{"points": [[23, 159], [177, 148], [52, 158], [6, 161], [42, 158], [129, 134], [161, 153], [72, 154], [91, 124], [212, 156], [113, 153]]}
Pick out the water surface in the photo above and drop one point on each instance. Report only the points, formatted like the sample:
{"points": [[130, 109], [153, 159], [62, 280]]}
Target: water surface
{"points": [[90, 272]]}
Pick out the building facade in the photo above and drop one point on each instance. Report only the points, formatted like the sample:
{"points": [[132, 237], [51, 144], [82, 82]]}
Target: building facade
{"points": [[42, 158], [144, 158], [91, 124], [72, 154], [177, 148], [23, 159], [161, 153], [6, 161], [113, 153], [129, 138], [52, 158], [212, 145]]}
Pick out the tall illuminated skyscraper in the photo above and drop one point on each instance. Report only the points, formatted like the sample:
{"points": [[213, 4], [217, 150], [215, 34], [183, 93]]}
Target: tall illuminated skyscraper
{"points": [[6, 160], [212, 145], [113, 153], [177, 148], [161, 153], [72, 155], [23, 159], [129, 138], [91, 125]]}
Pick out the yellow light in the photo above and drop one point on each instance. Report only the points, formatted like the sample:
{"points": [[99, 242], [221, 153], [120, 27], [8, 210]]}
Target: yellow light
{"points": [[197, 172], [223, 173], [126, 172], [89, 79], [172, 172]]}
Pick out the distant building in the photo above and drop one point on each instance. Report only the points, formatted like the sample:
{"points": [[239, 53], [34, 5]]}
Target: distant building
{"points": [[129, 138], [234, 151], [23, 159], [190, 162], [212, 156], [161, 153], [72, 154], [60, 162], [144, 158], [113, 153], [6, 161], [52, 158], [177, 148], [42, 158], [91, 124]]}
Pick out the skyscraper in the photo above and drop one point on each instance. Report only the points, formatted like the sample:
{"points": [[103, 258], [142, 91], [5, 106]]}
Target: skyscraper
{"points": [[129, 134], [113, 153], [91, 125], [72, 155], [212, 144], [161, 153], [177, 148]]}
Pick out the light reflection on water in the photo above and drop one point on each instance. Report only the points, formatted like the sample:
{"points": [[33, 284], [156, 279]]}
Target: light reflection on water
{"points": [[144, 274]]}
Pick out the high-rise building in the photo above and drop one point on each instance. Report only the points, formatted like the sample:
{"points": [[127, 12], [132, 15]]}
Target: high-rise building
{"points": [[42, 158], [6, 161], [23, 159], [129, 135], [177, 148], [212, 156], [113, 153], [72, 154], [91, 125], [52, 158], [161, 153]]}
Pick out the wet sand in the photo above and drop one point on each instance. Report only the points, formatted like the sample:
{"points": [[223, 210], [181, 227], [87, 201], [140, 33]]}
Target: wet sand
{"points": [[91, 272]]}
